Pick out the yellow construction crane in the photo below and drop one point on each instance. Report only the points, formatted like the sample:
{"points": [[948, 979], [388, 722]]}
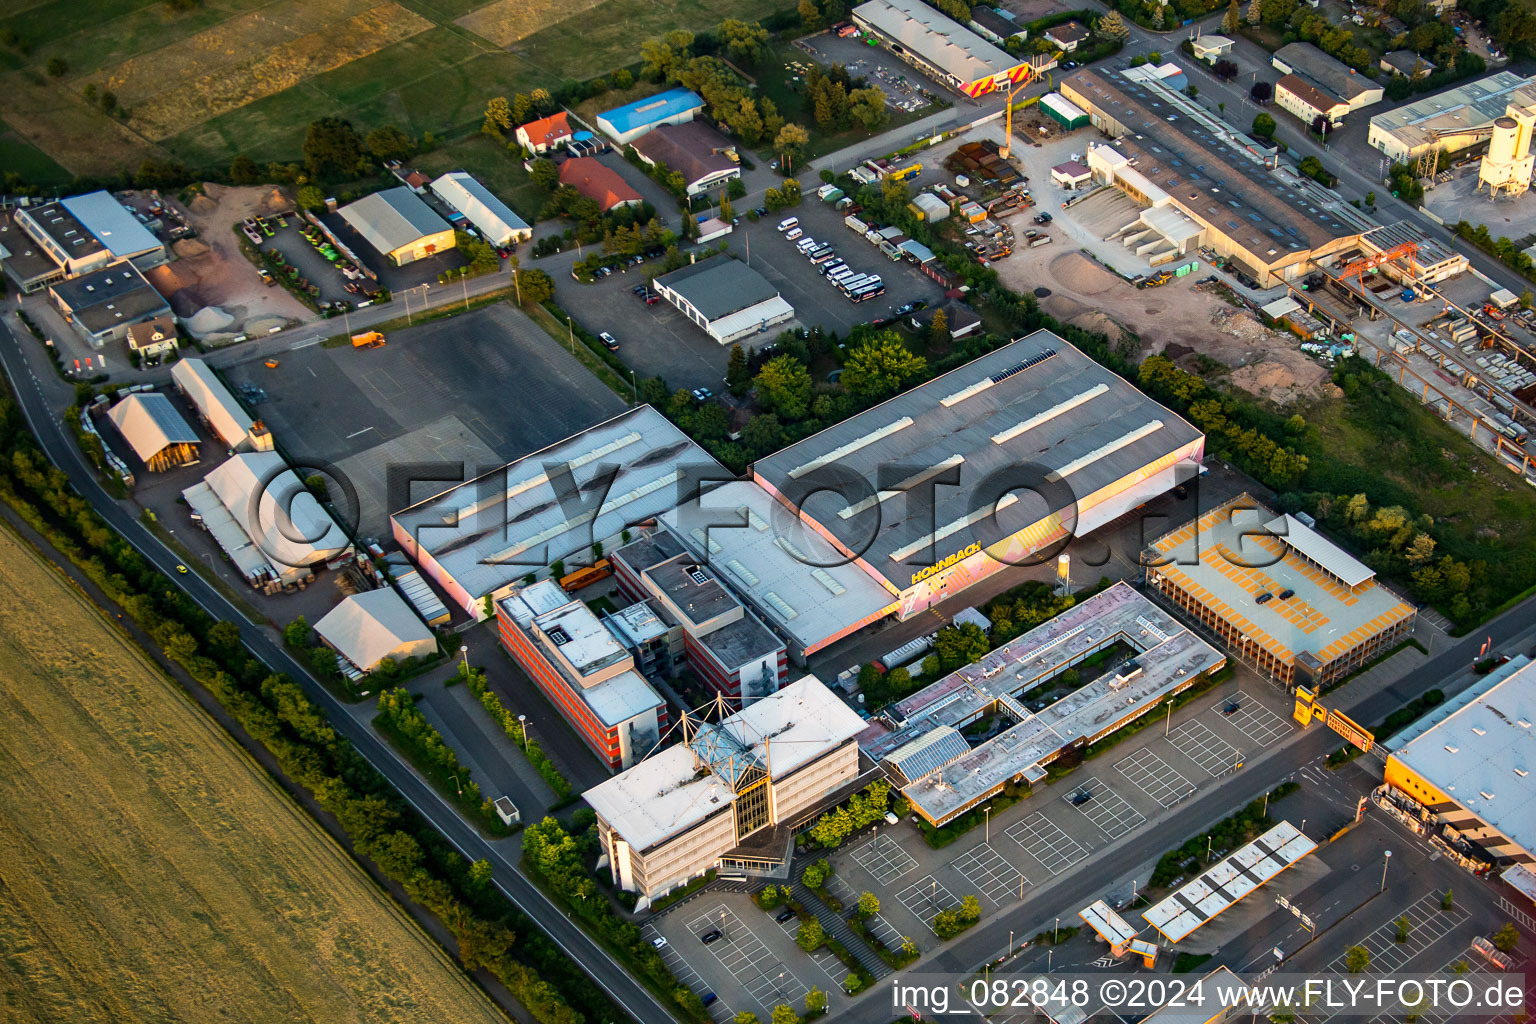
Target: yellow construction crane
{"points": [[1014, 91]]}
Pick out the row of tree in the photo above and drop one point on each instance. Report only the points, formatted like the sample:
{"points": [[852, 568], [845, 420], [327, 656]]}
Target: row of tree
{"points": [[862, 809]]}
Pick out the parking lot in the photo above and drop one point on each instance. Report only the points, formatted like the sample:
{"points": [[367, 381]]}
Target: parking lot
{"points": [[906, 89], [1198, 743], [481, 389], [1155, 777], [1105, 808]]}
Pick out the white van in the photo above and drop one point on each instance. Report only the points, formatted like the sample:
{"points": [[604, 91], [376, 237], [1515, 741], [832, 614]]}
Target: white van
{"points": [[788, 222], [793, 233], [806, 244]]}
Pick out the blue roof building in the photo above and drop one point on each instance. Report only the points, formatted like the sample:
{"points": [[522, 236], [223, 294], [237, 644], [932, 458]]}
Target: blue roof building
{"points": [[629, 122]]}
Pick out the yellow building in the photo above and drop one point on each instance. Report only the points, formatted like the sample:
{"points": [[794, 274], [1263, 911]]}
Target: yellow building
{"points": [[399, 225], [1461, 776]]}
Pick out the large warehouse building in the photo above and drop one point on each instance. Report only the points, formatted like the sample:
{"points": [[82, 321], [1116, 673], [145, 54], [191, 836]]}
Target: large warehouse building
{"points": [[479, 539], [921, 741], [627, 123], [1461, 775], [490, 216], [1282, 596], [1451, 120], [1186, 172], [79, 235], [729, 795], [399, 225], [1328, 75], [727, 299], [941, 47], [923, 491]]}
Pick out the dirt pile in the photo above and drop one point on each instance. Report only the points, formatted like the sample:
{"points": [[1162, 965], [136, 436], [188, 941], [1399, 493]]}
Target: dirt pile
{"points": [[1076, 273], [190, 249]]}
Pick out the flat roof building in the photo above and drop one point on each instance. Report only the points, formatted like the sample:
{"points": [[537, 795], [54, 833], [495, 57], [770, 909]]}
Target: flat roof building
{"points": [[1461, 775], [627, 123], [1325, 615], [920, 741], [399, 225], [25, 261], [584, 671], [725, 644], [1451, 120], [731, 793], [1329, 74], [598, 182], [941, 47], [366, 628], [797, 582], [1209, 47], [1170, 154], [265, 519], [155, 430], [1036, 412], [479, 539], [694, 150], [490, 216], [102, 304], [727, 299], [88, 232]]}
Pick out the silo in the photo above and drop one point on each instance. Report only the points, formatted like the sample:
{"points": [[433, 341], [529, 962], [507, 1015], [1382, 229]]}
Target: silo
{"points": [[1503, 148]]}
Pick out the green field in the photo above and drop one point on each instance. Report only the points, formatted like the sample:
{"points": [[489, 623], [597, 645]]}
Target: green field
{"points": [[20, 156], [170, 66]]}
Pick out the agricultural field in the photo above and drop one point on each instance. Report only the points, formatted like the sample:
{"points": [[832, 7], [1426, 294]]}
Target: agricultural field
{"points": [[247, 76], [153, 872]]}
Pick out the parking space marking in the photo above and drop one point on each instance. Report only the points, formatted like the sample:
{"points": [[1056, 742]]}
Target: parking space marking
{"points": [[748, 958], [1202, 746], [719, 1010], [1254, 720], [1155, 777], [1045, 841], [1427, 923], [1106, 808], [993, 876], [926, 897], [884, 858], [830, 965]]}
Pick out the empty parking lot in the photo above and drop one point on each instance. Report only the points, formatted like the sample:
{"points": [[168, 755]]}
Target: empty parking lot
{"points": [[1045, 841], [1105, 808], [1202, 746], [1155, 777]]}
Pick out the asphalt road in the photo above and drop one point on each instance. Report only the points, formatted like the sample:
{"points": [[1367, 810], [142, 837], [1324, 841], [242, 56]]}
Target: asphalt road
{"points": [[604, 970]]}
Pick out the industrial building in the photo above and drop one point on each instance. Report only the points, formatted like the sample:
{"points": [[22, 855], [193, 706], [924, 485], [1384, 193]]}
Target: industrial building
{"points": [[218, 408], [940, 47], [1506, 167], [478, 540], [1282, 596], [1063, 111], [727, 299], [598, 182], [1451, 120], [77, 236], [584, 671], [694, 150], [1199, 187], [1036, 413], [920, 741], [155, 431], [726, 645], [399, 225], [627, 123], [488, 215], [265, 520], [1328, 74], [102, 305], [1461, 775], [730, 794], [366, 628]]}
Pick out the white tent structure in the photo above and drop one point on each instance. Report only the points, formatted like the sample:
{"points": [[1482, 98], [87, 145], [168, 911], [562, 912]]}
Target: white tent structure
{"points": [[369, 627]]}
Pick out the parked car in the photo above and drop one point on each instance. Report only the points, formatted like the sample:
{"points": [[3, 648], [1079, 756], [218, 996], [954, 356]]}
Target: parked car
{"points": [[713, 935], [640, 289], [785, 916], [1081, 797], [659, 942], [610, 341], [1230, 707], [788, 222], [709, 997], [651, 298], [761, 211], [703, 394], [793, 233], [1043, 218]]}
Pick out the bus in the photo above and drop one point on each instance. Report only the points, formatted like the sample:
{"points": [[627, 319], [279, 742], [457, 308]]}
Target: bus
{"points": [[869, 291], [848, 284], [818, 258], [832, 266], [841, 274]]}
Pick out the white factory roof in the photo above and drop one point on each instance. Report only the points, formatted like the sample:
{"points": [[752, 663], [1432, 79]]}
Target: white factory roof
{"points": [[393, 219], [935, 38], [150, 423], [213, 400], [1483, 752], [667, 794], [368, 627], [1228, 881], [492, 217], [1111, 927], [1321, 550], [1468, 106], [792, 575], [497, 528], [1063, 106], [228, 533], [276, 510], [116, 228]]}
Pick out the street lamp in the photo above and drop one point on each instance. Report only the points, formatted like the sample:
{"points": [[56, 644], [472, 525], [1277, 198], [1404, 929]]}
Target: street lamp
{"points": [[1386, 859], [1056, 935], [522, 720], [457, 784], [987, 811], [464, 653]]}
